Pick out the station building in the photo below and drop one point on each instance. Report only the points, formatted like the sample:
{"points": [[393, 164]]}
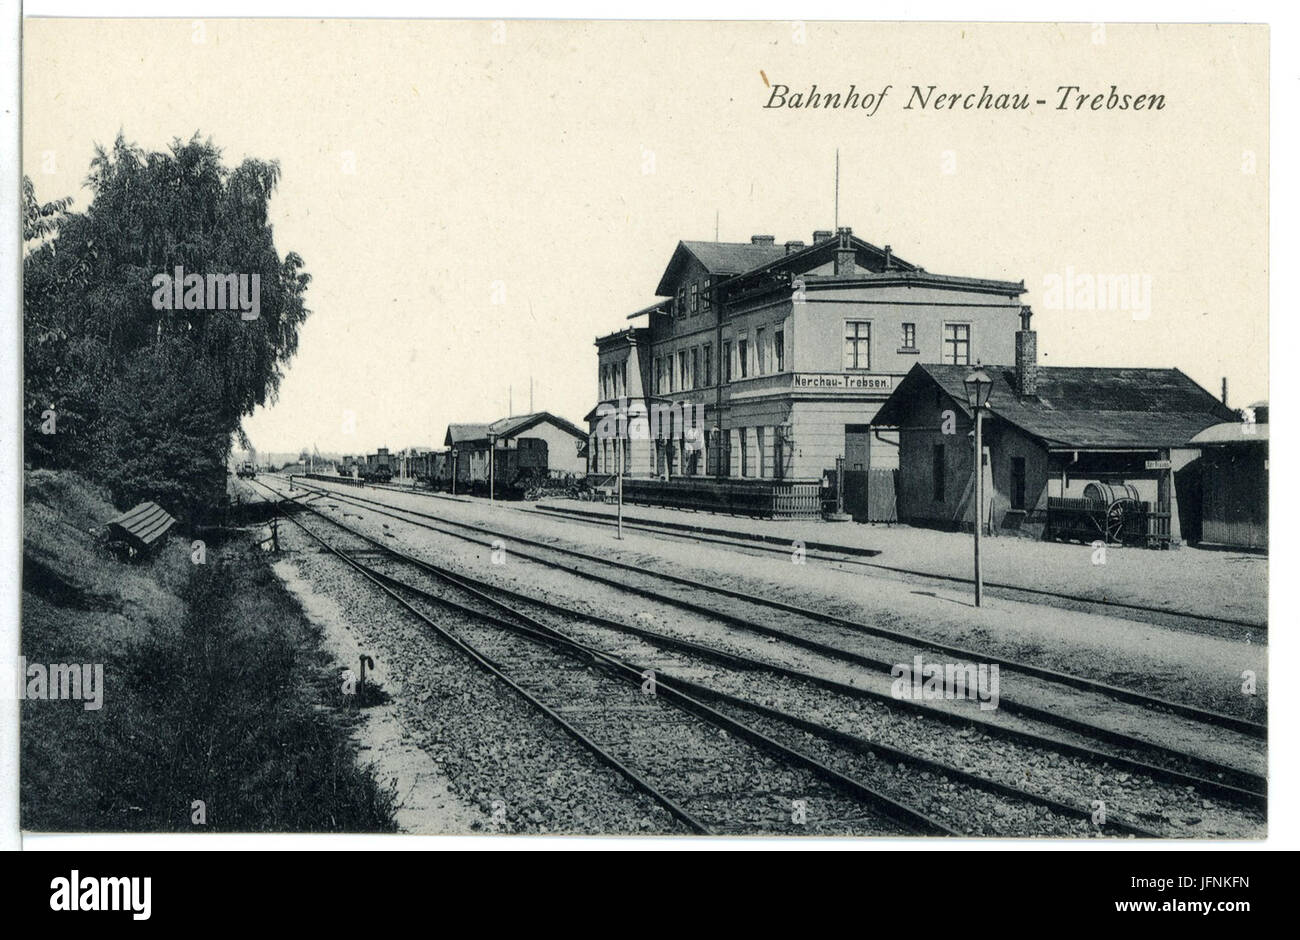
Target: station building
{"points": [[1060, 444], [785, 352]]}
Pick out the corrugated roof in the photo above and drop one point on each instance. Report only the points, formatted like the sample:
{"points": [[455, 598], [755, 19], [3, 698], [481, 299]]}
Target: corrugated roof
{"points": [[143, 525], [1233, 432], [1081, 407]]}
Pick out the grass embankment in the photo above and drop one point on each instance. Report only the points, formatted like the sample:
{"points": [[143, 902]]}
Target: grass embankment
{"points": [[215, 688]]}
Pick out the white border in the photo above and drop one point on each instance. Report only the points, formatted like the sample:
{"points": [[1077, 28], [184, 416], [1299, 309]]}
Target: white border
{"points": [[1284, 103]]}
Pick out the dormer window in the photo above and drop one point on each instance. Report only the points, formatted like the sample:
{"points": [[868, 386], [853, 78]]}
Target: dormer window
{"points": [[695, 297]]}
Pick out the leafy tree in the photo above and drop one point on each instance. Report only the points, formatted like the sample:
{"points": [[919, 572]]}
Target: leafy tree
{"points": [[146, 400]]}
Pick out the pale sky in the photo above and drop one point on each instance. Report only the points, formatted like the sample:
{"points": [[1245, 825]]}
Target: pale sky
{"points": [[524, 161]]}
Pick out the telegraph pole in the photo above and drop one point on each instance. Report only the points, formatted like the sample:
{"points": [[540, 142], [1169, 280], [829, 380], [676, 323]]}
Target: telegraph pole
{"points": [[979, 503]]}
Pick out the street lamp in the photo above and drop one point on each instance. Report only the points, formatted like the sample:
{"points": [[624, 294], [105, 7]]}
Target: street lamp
{"points": [[619, 443], [492, 467], [978, 388]]}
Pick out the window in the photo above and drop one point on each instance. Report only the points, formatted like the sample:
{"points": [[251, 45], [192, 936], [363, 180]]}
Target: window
{"points": [[1017, 482], [672, 373], [778, 346], [760, 343], [762, 454], [683, 370], [708, 364], [909, 335], [937, 473], [659, 375], [744, 451], [707, 291], [681, 301], [726, 361], [695, 367], [956, 344], [857, 344], [742, 356], [695, 298]]}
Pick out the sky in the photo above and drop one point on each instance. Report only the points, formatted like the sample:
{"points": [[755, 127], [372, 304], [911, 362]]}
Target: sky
{"points": [[477, 201]]}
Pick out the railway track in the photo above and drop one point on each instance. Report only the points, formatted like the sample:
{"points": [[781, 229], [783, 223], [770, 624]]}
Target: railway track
{"points": [[767, 546], [825, 738], [714, 773], [759, 544], [844, 631]]}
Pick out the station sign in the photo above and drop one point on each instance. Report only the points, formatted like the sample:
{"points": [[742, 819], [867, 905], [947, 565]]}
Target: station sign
{"points": [[1160, 465], [843, 381]]}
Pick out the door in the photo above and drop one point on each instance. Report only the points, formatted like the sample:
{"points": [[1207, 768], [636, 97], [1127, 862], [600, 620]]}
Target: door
{"points": [[857, 465]]}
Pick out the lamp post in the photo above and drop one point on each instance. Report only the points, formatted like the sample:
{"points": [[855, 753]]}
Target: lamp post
{"points": [[492, 468], [455, 459], [619, 444], [978, 387]]}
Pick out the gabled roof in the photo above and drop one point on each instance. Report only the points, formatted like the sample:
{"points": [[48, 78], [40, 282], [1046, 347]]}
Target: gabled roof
{"points": [[459, 433], [509, 427], [739, 263], [1077, 407], [729, 259], [142, 525]]}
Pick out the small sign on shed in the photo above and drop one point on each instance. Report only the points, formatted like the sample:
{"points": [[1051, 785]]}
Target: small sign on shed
{"points": [[139, 530]]}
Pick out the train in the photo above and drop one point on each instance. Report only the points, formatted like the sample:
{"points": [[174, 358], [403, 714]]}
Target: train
{"points": [[375, 468], [516, 468], [378, 467]]}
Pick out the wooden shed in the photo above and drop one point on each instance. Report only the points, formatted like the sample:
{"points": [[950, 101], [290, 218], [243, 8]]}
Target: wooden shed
{"points": [[1055, 438], [139, 530], [1234, 483]]}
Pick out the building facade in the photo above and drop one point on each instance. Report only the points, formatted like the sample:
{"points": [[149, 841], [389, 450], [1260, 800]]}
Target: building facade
{"points": [[1055, 438], [768, 362]]}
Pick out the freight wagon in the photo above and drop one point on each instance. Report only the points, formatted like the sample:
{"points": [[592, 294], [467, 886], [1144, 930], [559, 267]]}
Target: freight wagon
{"points": [[513, 469], [378, 467]]}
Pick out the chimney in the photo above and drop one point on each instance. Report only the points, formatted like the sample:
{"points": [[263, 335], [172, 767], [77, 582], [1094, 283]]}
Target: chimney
{"points": [[762, 240], [822, 235], [1026, 357], [889, 257], [1223, 395], [845, 253], [792, 247]]}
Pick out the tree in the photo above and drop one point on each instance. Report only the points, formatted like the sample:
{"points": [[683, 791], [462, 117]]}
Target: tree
{"points": [[147, 400]]}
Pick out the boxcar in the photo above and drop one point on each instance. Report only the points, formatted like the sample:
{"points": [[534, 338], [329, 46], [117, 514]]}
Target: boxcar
{"points": [[378, 467], [516, 468]]}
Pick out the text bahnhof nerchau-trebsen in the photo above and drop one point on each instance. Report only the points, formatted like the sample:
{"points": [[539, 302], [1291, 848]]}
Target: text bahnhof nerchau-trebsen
{"points": [[933, 98]]}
